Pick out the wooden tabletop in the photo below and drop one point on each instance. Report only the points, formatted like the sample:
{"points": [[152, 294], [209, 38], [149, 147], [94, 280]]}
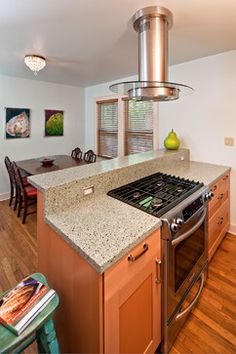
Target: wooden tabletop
{"points": [[35, 167]]}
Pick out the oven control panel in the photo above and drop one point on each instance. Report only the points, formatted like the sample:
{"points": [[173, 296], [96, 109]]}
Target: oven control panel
{"points": [[191, 209]]}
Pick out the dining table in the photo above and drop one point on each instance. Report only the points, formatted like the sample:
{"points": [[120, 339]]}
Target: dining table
{"points": [[35, 166]]}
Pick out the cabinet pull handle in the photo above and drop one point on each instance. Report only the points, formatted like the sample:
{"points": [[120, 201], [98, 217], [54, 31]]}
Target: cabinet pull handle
{"points": [[220, 196], [225, 177], [158, 271], [214, 188], [134, 258]]}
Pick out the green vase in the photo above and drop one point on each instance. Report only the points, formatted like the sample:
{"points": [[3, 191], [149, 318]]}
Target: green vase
{"points": [[172, 142]]}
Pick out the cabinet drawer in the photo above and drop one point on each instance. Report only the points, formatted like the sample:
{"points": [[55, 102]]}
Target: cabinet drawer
{"points": [[129, 269], [218, 224], [221, 194]]}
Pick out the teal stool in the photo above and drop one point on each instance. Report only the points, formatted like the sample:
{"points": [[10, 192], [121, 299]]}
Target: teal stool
{"points": [[41, 329]]}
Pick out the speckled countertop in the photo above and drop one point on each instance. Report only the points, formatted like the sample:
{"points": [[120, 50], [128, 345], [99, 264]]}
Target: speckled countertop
{"points": [[103, 229], [197, 171], [54, 179]]}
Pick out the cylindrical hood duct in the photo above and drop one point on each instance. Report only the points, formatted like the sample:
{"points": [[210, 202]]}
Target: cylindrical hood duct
{"points": [[152, 24]]}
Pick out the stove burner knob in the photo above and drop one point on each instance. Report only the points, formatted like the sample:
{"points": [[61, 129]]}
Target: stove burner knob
{"points": [[211, 195], [179, 221], [174, 227]]}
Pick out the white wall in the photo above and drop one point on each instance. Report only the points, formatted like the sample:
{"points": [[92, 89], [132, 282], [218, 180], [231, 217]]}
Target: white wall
{"points": [[203, 119], [37, 96]]}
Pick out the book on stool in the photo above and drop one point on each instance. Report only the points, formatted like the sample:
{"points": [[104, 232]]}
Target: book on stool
{"points": [[20, 305]]}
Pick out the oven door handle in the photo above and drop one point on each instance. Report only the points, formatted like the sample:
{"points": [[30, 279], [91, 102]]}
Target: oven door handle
{"points": [[191, 231], [190, 306]]}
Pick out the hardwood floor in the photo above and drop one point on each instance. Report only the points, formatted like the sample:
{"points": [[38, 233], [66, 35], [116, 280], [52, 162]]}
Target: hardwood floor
{"points": [[18, 250], [211, 327]]}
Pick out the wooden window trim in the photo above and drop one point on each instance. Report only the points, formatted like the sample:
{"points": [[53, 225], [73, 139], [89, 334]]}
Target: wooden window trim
{"points": [[101, 132], [112, 100]]}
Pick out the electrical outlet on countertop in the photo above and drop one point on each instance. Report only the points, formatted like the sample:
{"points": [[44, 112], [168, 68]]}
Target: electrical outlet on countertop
{"points": [[88, 190]]}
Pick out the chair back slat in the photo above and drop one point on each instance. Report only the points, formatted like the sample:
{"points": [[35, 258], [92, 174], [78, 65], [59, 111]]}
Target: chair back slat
{"points": [[18, 178], [90, 156], [10, 171]]}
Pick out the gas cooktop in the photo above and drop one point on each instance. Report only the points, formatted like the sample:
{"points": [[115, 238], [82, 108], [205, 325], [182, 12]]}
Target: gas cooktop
{"points": [[157, 193]]}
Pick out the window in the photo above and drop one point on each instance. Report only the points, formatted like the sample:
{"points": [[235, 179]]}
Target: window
{"points": [[138, 126], [107, 120], [125, 127]]}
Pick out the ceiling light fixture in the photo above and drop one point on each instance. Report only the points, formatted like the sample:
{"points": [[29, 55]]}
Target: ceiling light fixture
{"points": [[35, 62]]}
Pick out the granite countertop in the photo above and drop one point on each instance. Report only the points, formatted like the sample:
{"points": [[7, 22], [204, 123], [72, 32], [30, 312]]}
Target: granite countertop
{"points": [[46, 181], [197, 171], [103, 229]]}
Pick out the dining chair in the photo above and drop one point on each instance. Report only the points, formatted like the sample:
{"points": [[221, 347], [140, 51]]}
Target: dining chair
{"points": [[26, 195], [13, 189], [76, 153], [90, 156], [8, 165]]}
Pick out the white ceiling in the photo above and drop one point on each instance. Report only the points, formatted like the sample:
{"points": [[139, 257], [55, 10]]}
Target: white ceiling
{"points": [[92, 41]]}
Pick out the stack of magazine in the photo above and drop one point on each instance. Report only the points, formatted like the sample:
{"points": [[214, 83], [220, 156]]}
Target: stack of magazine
{"points": [[22, 304]]}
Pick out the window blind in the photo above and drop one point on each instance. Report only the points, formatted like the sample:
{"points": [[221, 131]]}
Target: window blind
{"points": [[107, 128], [139, 126]]}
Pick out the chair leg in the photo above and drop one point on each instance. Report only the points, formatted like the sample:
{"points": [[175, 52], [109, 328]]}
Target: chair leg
{"points": [[11, 195], [20, 206], [47, 340], [25, 210]]}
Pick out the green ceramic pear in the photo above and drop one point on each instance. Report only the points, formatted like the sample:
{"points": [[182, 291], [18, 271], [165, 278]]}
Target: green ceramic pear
{"points": [[172, 142]]}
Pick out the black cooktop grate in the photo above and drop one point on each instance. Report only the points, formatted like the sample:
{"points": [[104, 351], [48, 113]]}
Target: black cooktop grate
{"points": [[157, 193]]}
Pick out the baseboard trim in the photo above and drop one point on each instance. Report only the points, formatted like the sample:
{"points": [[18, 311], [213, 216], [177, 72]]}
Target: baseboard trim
{"points": [[232, 229], [4, 196]]}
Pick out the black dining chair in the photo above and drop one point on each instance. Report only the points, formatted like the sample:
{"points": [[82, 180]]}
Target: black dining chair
{"points": [[12, 179], [8, 165], [76, 154], [26, 194], [90, 156]]}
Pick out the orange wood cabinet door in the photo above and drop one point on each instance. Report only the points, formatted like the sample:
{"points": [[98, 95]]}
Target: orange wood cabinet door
{"points": [[218, 214], [132, 300], [218, 225], [221, 190]]}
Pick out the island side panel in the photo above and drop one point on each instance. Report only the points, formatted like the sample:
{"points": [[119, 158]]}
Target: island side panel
{"points": [[78, 320]]}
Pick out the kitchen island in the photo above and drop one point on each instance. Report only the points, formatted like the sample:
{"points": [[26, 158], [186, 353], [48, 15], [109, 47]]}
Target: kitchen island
{"points": [[83, 240]]}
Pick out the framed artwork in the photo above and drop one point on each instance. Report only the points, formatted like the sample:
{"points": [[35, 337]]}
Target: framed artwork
{"points": [[17, 123], [54, 122]]}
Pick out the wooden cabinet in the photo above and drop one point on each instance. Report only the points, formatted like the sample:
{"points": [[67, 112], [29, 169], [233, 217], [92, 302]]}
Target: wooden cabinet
{"points": [[218, 213], [118, 311], [132, 300]]}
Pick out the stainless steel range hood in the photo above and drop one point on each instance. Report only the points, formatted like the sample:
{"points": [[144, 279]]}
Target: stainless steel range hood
{"points": [[152, 24]]}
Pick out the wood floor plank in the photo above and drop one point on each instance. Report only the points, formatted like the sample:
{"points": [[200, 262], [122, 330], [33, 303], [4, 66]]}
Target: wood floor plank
{"points": [[210, 328], [18, 251], [213, 322]]}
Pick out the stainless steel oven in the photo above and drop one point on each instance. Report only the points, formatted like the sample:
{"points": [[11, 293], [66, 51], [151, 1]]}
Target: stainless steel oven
{"points": [[182, 206], [184, 250]]}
